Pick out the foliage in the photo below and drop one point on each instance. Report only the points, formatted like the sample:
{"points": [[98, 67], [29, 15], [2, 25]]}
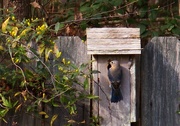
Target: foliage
{"points": [[26, 76], [154, 19]]}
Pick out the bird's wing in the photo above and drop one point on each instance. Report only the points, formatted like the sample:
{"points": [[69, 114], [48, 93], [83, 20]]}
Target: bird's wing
{"points": [[120, 74]]}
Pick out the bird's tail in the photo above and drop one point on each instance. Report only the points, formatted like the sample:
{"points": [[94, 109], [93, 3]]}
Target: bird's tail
{"points": [[116, 95]]}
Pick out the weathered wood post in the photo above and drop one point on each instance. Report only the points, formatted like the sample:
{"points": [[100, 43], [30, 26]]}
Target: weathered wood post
{"points": [[160, 82], [120, 44]]}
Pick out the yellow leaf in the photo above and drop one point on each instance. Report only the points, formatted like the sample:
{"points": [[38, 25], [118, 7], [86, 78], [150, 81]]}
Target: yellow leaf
{"points": [[64, 61], [42, 113], [17, 108], [24, 32], [46, 116], [4, 25], [41, 49], [4, 120], [14, 44], [16, 94], [1, 47], [24, 93], [53, 119], [14, 31], [83, 121], [71, 121], [57, 52], [44, 95], [47, 53]]}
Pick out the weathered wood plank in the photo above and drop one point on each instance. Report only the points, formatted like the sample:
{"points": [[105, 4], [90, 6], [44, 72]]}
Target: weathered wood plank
{"points": [[160, 77], [113, 40], [132, 69], [123, 35], [123, 112], [123, 51], [95, 88], [114, 30], [75, 50]]}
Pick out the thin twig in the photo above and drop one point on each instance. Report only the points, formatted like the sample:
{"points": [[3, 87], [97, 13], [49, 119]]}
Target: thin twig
{"points": [[25, 82], [52, 76], [10, 53], [110, 111]]}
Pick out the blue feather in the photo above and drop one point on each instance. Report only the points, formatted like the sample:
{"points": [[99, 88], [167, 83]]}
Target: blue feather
{"points": [[116, 95]]}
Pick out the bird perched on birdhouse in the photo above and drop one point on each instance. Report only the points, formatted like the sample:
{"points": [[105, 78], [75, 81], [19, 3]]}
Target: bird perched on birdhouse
{"points": [[115, 77]]}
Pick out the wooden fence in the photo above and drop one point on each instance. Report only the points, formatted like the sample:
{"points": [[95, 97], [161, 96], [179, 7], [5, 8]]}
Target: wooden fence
{"points": [[74, 50], [159, 85], [160, 82]]}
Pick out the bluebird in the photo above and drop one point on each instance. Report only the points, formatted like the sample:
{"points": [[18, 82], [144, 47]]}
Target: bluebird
{"points": [[115, 76]]}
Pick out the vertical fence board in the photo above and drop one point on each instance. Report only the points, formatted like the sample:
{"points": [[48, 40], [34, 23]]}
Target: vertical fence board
{"points": [[72, 49], [160, 82]]}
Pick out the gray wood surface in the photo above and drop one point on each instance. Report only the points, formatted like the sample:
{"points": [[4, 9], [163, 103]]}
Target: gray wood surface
{"points": [[160, 75], [113, 41], [123, 112], [74, 50]]}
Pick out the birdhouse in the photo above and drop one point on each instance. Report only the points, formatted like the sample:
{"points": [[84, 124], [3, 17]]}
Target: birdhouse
{"points": [[122, 45]]}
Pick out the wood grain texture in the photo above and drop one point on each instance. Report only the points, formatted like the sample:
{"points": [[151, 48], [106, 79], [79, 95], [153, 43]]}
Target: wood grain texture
{"points": [[75, 50], [160, 75], [132, 69], [113, 41], [123, 112]]}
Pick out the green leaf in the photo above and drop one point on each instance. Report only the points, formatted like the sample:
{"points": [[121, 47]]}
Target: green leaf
{"points": [[3, 112], [153, 15], [86, 83], [55, 104], [73, 109], [165, 27], [83, 25], [4, 25], [46, 100], [143, 11], [176, 31], [116, 2], [65, 78], [58, 26], [155, 33], [95, 71], [6, 103], [92, 97], [142, 28], [171, 27]]}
